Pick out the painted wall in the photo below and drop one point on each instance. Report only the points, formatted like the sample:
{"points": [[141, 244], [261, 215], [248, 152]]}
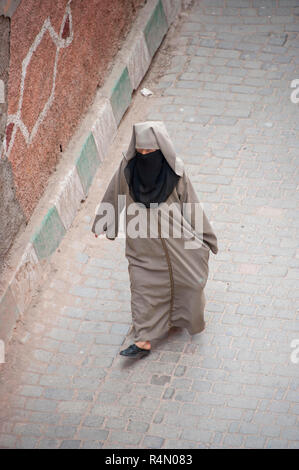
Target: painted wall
{"points": [[59, 53], [11, 213]]}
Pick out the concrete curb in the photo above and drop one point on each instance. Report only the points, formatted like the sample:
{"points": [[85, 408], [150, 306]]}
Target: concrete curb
{"points": [[112, 102]]}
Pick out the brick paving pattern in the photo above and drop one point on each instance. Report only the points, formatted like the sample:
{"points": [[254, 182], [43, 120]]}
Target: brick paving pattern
{"points": [[226, 100]]}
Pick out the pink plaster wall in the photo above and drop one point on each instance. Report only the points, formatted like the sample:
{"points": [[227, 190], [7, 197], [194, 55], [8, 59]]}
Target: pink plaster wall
{"points": [[89, 39]]}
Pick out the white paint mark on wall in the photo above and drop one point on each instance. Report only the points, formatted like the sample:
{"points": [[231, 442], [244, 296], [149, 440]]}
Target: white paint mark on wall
{"points": [[60, 43]]}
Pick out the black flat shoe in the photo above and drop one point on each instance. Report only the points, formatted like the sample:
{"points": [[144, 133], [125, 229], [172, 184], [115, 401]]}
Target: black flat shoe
{"points": [[134, 351]]}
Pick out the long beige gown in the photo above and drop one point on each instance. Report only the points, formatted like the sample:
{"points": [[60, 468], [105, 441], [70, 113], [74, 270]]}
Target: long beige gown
{"points": [[167, 279]]}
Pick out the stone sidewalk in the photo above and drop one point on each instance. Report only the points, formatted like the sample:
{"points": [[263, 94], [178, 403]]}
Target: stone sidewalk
{"points": [[222, 84]]}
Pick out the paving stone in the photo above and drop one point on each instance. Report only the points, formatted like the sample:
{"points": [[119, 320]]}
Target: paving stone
{"points": [[197, 435], [290, 433], [160, 380], [71, 419], [72, 407], [180, 371], [60, 431], [152, 442], [58, 393], [70, 444], [52, 381], [39, 404], [132, 438], [184, 395], [91, 445], [28, 429], [233, 440], [92, 434], [43, 417], [48, 444], [26, 443], [168, 393], [31, 390], [254, 442], [7, 441]]}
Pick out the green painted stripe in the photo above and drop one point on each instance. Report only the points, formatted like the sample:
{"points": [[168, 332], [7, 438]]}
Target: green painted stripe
{"points": [[88, 162], [121, 95], [155, 29], [48, 236]]}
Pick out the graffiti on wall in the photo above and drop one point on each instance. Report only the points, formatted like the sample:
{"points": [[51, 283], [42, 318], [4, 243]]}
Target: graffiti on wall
{"points": [[14, 121]]}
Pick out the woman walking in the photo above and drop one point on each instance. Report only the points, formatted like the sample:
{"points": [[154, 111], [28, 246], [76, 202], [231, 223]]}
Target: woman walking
{"points": [[167, 250]]}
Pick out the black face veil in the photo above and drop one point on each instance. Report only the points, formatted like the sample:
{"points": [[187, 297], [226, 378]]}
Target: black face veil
{"points": [[150, 178]]}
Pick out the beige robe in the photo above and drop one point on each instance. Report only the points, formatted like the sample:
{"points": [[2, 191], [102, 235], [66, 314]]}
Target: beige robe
{"points": [[167, 280]]}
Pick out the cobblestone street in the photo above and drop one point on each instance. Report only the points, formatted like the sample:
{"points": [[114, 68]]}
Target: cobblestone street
{"points": [[222, 84]]}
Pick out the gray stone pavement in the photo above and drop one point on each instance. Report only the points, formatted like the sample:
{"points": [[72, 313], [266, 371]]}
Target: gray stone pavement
{"points": [[222, 84]]}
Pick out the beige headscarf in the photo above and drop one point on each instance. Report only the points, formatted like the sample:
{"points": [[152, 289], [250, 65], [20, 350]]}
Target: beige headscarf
{"points": [[154, 135]]}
